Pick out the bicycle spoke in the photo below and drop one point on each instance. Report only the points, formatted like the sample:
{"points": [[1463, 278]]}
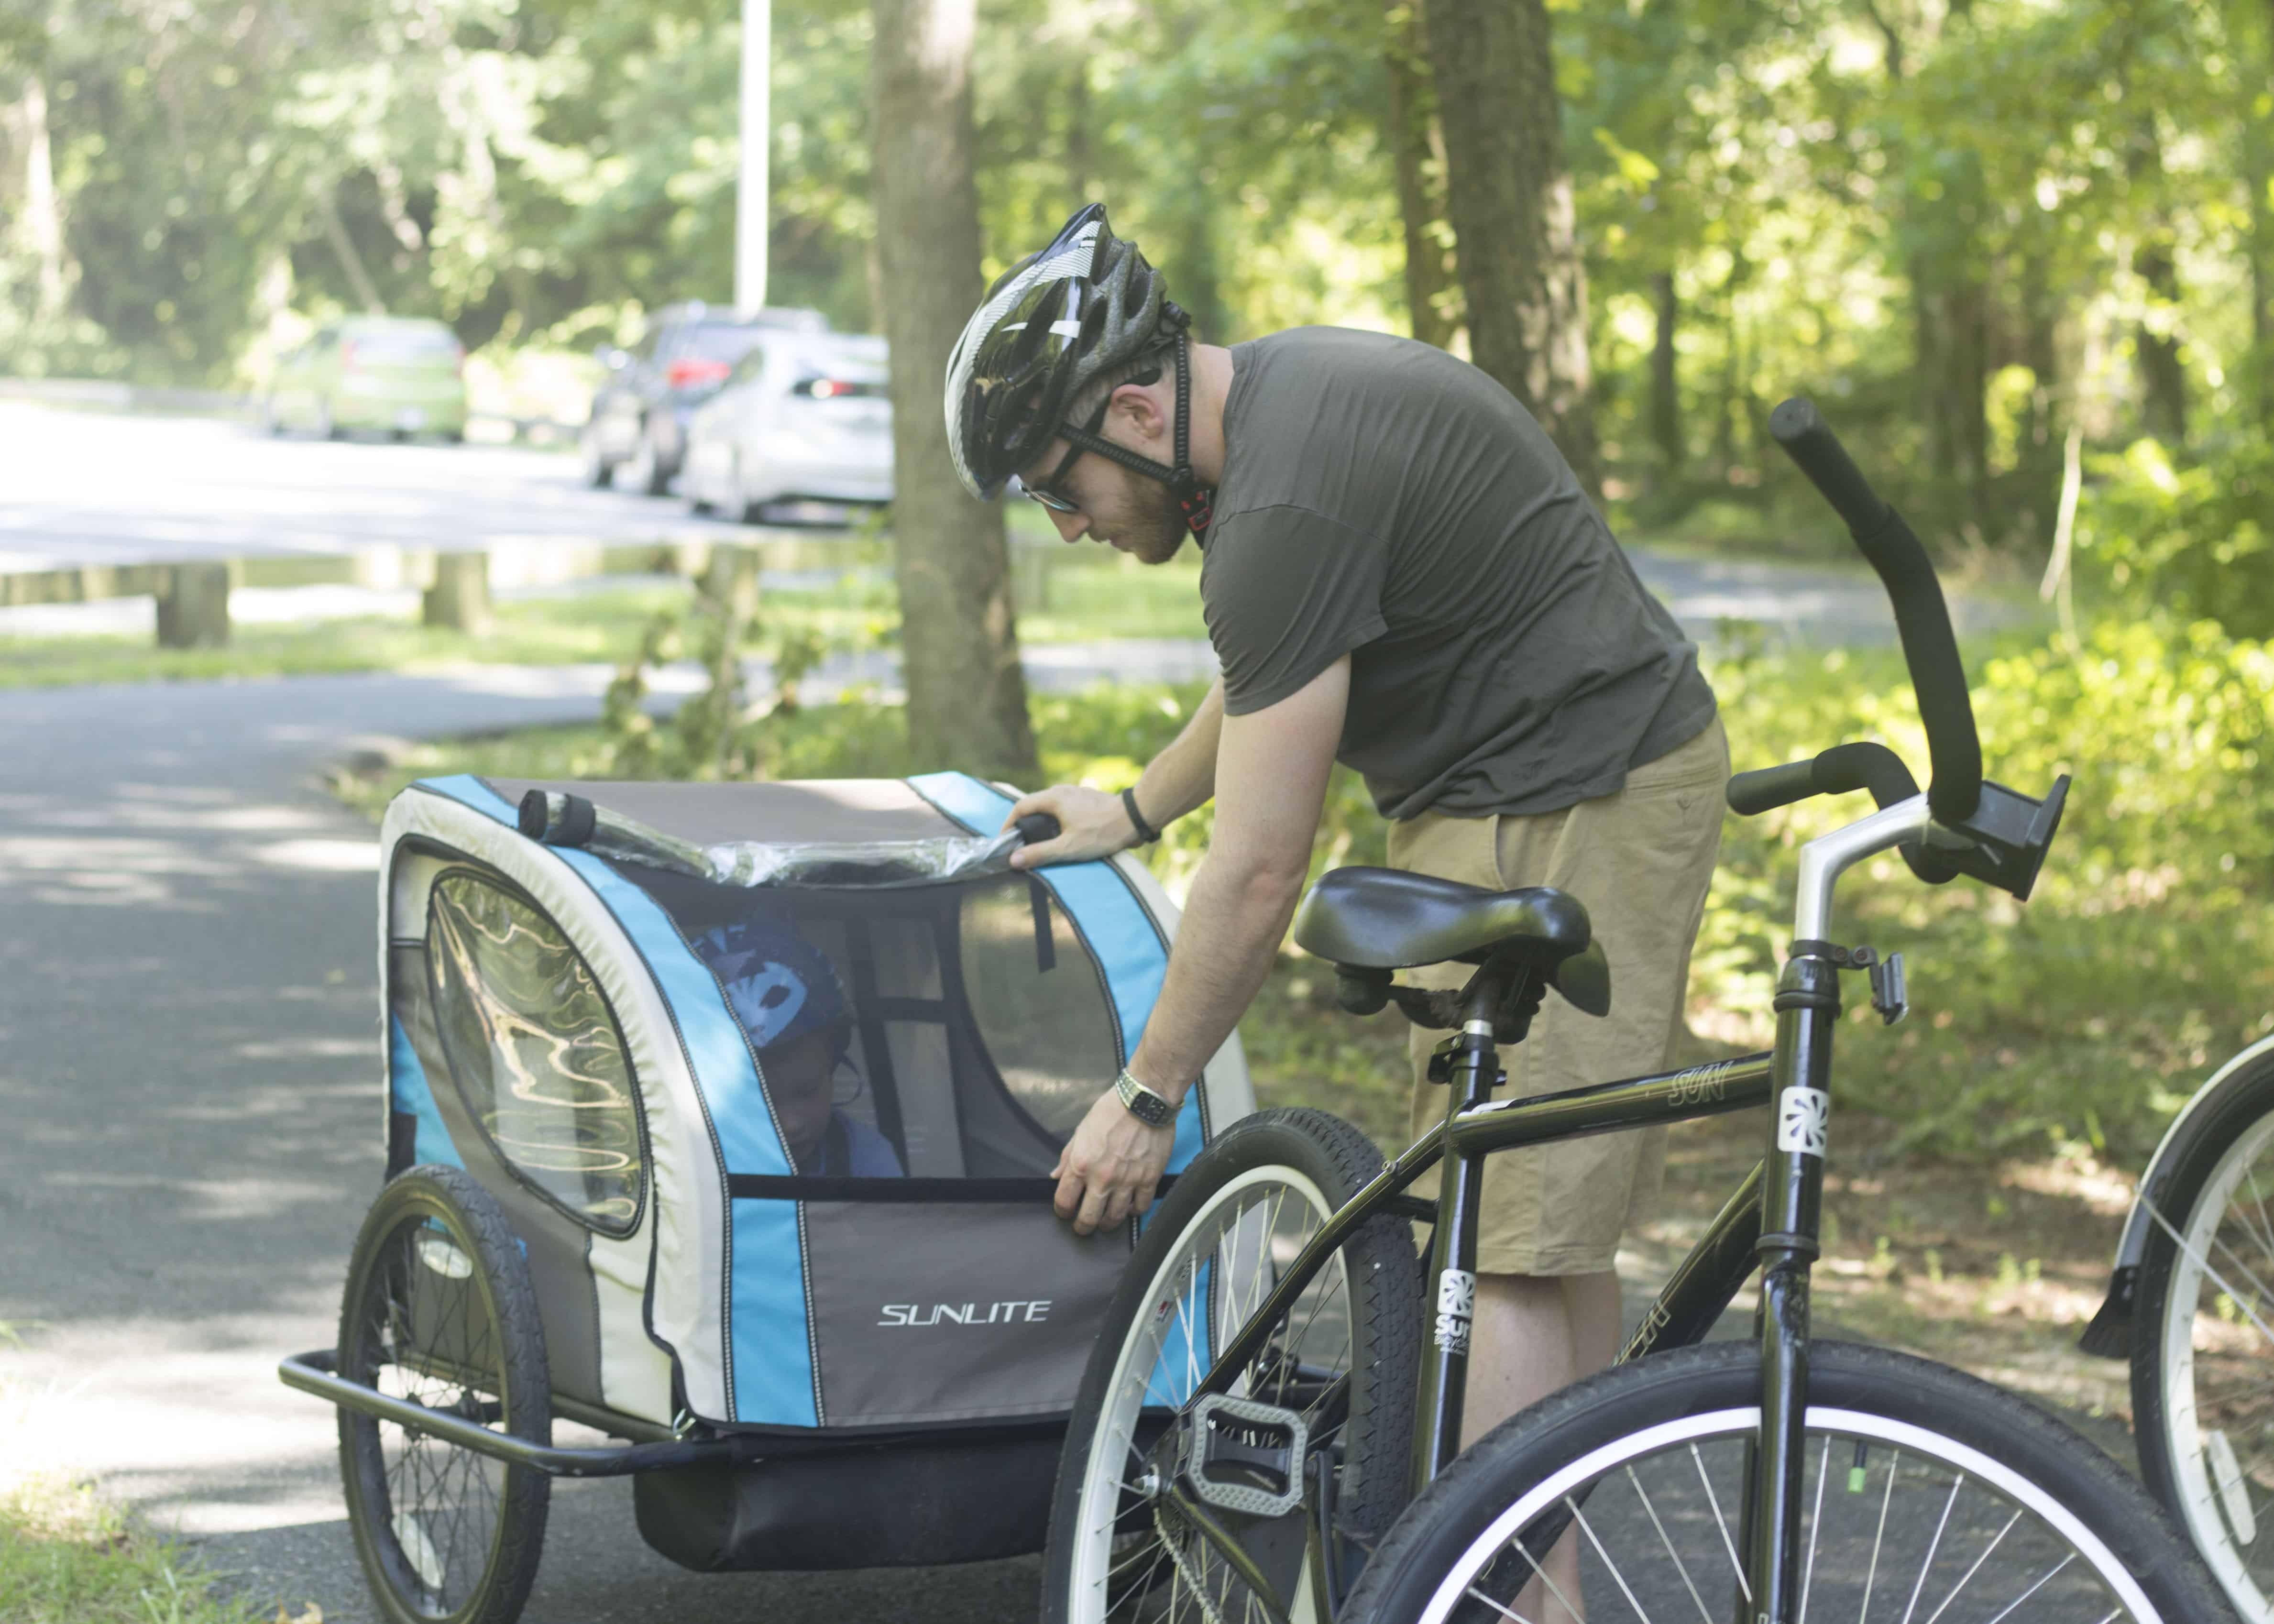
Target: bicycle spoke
{"points": [[1673, 1556], [1816, 1523], [1625, 1589], [1965, 1578], [1934, 1544], [1736, 1566], [1879, 1536]]}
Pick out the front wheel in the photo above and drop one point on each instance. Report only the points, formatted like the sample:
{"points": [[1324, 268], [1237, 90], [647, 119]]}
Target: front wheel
{"points": [[1925, 1494], [439, 1309], [1173, 1506], [2202, 1343]]}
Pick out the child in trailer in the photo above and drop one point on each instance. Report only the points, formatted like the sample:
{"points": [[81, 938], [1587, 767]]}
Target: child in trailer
{"points": [[783, 990]]}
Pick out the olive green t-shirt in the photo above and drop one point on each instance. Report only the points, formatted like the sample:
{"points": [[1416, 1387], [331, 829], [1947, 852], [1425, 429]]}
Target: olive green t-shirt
{"points": [[1383, 499]]}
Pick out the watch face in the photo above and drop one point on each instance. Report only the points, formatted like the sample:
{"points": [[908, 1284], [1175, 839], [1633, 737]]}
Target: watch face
{"points": [[1145, 1106]]}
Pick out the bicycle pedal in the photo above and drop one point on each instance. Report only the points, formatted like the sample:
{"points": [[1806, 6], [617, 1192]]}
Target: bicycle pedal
{"points": [[1239, 1455]]}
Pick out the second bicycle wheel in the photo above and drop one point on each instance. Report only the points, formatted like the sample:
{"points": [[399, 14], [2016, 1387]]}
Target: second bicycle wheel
{"points": [[1927, 1496], [1306, 1455], [2203, 1338]]}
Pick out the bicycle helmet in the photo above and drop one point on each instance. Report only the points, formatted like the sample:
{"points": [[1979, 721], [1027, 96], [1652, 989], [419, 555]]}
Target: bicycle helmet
{"points": [[779, 985], [1084, 305]]}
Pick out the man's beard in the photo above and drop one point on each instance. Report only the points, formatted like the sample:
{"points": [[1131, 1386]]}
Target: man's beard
{"points": [[1157, 529]]}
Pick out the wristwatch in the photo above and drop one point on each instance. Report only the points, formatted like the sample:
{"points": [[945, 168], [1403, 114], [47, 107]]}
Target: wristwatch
{"points": [[1141, 1102]]}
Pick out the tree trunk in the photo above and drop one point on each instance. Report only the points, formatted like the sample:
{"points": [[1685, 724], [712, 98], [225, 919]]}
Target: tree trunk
{"points": [[193, 608], [966, 694], [43, 226], [1077, 140], [459, 600], [2163, 378], [2155, 344], [1509, 195], [336, 233], [1665, 402], [1952, 352], [2258, 176], [1413, 139]]}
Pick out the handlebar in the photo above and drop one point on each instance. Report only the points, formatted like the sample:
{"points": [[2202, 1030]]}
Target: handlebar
{"points": [[1035, 828], [1921, 618]]}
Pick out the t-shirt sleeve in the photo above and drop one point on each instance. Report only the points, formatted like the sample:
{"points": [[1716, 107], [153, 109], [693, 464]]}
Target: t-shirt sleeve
{"points": [[1286, 592]]}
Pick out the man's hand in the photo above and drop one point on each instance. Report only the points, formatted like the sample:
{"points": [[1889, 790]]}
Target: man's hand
{"points": [[1108, 1170], [1091, 823]]}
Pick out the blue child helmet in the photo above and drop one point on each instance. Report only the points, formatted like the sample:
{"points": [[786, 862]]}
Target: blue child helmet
{"points": [[779, 985]]}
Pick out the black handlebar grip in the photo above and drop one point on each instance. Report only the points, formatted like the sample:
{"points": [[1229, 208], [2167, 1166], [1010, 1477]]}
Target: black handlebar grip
{"points": [[556, 818], [1035, 828], [1810, 442], [1751, 794], [1921, 618]]}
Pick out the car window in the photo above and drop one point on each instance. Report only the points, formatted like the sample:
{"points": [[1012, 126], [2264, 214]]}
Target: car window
{"points": [[411, 344], [716, 341], [749, 368]]}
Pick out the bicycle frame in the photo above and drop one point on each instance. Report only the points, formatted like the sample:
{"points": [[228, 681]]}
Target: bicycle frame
{"points": [[1774, 1216]]}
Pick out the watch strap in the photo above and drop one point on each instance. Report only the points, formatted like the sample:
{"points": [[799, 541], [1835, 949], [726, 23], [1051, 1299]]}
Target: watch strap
{"points": [[1152, 1110], [1146, 833]]}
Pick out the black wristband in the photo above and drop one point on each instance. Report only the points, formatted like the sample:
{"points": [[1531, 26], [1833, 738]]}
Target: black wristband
{"points": [[1146, 833]]}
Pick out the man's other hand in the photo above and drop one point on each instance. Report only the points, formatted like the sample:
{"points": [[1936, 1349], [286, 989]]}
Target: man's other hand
{"points": [[1091, 823], [1109, 1170]]}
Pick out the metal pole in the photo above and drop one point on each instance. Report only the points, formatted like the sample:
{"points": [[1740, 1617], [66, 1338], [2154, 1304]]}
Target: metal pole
{"points": [[750, 189]]}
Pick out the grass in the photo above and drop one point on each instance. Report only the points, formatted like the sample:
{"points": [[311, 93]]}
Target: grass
{"points": [[69, 1557], [1083, 596]]}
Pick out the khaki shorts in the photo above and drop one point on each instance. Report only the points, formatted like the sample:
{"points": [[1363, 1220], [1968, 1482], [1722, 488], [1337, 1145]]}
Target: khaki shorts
{"points": [[1640, 860]]}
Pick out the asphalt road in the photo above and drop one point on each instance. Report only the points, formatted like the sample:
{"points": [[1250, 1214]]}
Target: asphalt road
{"points": [[189, 1019]]}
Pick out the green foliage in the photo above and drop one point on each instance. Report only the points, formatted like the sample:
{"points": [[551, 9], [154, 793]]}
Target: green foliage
{"points": [[2193, 539], [2088, 1015], [68, 1558]]}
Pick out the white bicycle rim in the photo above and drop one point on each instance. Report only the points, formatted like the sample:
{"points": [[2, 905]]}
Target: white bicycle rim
{"points": [[1745, 1419], [2200, 1509], [1092, 1569]]}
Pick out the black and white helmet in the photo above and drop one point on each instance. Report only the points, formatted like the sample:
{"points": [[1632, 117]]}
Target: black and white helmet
{"points": [[1087, 304]]}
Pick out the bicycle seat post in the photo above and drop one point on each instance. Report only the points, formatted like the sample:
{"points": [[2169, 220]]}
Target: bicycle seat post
{"points": [[1475, 1073]]}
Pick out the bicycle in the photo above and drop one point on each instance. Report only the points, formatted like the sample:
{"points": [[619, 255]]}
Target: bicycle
{"points": [[1261, 1434], [2189, 1303]]}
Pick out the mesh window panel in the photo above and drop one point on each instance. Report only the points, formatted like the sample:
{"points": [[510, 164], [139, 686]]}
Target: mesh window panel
{"points": [[1049, 1031], [534, 1050]]}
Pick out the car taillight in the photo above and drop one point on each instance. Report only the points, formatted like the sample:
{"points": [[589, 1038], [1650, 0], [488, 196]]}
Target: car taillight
{"points": [[347, 355], [828, 388], [687, 374]]}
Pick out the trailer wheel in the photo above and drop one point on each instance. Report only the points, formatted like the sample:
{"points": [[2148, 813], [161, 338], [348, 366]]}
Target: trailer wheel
{"points": [[439, 1309]]}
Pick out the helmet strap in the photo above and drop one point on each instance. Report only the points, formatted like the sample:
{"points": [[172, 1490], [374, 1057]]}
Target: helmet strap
{"points": [[1197, 501]]}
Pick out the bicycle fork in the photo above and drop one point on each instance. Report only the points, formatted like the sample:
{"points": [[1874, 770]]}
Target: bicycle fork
{"points": [[1792, 1204]]}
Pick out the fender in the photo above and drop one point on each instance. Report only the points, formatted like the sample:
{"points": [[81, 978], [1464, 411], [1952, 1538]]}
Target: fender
{"points": [[2109, 1336]]}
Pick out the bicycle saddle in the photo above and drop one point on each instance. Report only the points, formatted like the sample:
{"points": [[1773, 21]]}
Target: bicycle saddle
{"points": [[1388, 919]]}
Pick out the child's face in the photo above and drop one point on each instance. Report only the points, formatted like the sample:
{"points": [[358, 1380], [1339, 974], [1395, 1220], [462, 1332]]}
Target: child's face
{"points": [[799, 1077]]}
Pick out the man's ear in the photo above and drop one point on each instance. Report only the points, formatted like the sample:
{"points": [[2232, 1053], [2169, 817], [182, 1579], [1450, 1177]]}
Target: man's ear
{"points": [[1134, 404]]}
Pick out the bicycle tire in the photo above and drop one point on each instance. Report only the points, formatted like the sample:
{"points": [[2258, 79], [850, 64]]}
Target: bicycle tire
{"points": [[2201, 1313], [1110, 1555], [1617, 1456], [438, 1307]]}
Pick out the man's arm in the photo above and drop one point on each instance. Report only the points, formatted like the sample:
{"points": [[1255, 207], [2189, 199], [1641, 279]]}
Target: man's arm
{"points": [[1271, 775], [1093, 823]]}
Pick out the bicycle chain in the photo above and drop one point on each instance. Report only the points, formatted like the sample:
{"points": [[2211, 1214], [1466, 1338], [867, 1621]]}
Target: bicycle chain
{"points": [[1184, 1572]]}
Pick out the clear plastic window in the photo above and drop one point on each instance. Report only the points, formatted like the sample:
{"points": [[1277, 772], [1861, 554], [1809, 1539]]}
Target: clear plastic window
{"points": [[534, 1050]]}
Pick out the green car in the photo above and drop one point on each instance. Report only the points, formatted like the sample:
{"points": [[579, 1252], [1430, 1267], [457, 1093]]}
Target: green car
{"points": [[389, 374]]}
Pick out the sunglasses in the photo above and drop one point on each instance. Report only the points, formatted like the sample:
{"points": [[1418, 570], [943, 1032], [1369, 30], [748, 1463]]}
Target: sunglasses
{"points": [[1047, 492]]}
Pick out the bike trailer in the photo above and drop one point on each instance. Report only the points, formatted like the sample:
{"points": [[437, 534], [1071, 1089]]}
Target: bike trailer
{"points": [[851, 1357]]}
